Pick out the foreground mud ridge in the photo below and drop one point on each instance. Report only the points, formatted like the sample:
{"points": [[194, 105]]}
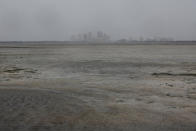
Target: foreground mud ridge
{"points": [[97, 87]]}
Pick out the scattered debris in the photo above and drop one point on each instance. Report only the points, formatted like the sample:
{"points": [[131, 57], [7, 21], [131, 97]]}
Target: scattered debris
{"points": [[171, 74], [13, 70], [150, 102], [168, 94], [120, 100], [170, 85]]}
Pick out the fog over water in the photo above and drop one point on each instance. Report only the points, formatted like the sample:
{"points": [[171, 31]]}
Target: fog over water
{"points": [[59, 19]]}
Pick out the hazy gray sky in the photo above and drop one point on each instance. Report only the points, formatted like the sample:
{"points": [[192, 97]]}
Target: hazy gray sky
{"points": [[59, 19]]}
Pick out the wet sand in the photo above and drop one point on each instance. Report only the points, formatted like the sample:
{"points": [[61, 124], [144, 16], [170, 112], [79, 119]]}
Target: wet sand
{"points": [[97, 87]]}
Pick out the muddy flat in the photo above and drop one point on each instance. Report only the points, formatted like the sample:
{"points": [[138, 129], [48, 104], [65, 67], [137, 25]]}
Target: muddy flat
{"points": [[97, 87]]}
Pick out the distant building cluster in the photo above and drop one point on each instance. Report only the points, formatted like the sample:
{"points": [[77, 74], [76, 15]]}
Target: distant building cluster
{"points": [[101, 37], [92, 37], [141, 39], [159, 39]]}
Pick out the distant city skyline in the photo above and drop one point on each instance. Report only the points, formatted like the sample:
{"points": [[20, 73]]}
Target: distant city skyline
{"points": [[98, 36]]}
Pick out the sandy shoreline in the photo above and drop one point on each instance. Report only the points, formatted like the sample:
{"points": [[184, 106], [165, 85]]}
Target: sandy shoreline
{"points": [[105, 87]]}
